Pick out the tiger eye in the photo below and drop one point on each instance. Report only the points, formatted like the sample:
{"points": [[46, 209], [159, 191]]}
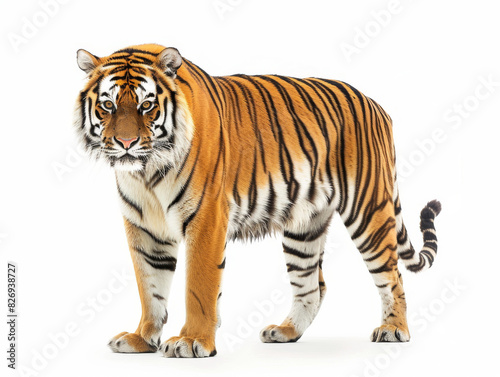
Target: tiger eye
{"points": [[146, 105], [108, 105]]}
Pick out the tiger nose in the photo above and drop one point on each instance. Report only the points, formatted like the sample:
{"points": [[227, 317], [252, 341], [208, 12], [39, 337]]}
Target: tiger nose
{"points": [[126, 142]]}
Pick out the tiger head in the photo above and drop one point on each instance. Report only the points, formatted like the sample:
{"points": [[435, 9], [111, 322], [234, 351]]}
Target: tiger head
{"points": [[130, 112]]}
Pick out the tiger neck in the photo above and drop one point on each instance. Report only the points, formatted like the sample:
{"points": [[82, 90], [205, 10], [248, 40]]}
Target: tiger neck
{"points": [[200, 91], [207, 103]]}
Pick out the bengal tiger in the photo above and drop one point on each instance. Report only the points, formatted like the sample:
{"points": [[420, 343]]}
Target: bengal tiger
{"points": [[206, 160]]}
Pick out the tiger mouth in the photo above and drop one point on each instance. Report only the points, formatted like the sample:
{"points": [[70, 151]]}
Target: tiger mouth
{"points": [[127, 159]]}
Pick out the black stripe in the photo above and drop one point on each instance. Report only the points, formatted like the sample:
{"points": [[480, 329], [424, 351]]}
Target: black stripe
{"points": [[252, 190], [236, 194], [157, 258], [307, 273], [134, 51], [161, 266], [426, 224], [387, 266], [165, 262], [293, 267], [158, 176], [129, 201], [198, 299], [307, 293], [402, 236], [429, 256], [407, 254], [429, 235], [193, 214], [173, 99], [297, 253], [271, 200], [310, 236], [418, 266], [154, 237], [377, 255], [184, 186]]}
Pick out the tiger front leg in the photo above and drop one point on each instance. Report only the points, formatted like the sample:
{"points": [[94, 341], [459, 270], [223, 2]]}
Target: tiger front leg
{"points": [[206, 237], [154, 261]]}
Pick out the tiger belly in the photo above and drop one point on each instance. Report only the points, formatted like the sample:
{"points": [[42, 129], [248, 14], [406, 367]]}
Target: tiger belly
{"points": [[278, 205]]}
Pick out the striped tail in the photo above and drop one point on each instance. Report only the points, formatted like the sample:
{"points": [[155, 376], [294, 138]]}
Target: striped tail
{"points": [[413, 261]]}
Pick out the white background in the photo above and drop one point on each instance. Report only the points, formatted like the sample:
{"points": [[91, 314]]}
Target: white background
{"points": [[61, 224]]}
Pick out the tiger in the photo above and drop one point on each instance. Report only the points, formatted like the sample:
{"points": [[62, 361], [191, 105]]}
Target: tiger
{"points": [[203, 160]]}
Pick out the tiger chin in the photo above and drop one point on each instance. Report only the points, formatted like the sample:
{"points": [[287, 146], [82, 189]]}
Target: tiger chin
{"points": [[205, 160]]}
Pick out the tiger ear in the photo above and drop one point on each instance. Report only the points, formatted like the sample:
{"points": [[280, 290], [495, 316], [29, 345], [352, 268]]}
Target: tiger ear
{"points": [[169, 61], [86, 61]]}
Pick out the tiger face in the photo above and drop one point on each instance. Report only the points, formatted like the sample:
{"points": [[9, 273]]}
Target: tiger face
{"points": [[130, 112]]}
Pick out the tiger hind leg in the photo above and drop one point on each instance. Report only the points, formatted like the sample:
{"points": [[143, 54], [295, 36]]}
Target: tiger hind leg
{"points": [[303, 255], [376, 239]]}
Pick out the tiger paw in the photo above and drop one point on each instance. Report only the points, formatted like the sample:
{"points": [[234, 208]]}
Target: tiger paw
{"points": [[131, 343], [390, 333], [188, 347], [279, 334]]}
